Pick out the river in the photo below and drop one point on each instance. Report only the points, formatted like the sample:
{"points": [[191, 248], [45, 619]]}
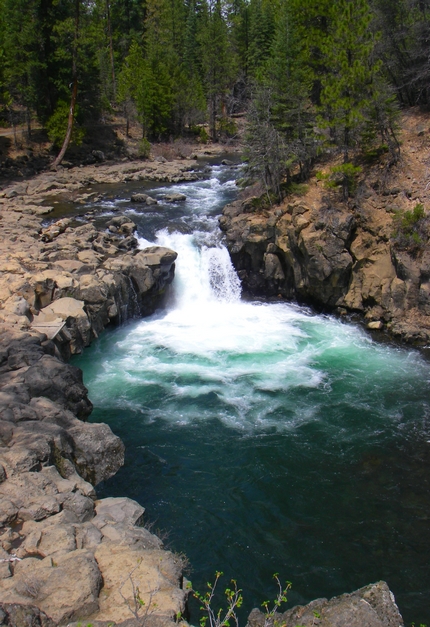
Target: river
{"points": [[262, 437]]}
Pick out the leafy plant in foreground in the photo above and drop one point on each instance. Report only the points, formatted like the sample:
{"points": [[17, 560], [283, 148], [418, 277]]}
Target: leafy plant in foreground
{"points": [[233, 594]]}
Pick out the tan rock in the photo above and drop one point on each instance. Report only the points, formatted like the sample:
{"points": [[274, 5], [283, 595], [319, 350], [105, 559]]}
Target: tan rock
{"points": [[375, 325], [90, 257], [66, 588], [155, 573], [71, 265]]}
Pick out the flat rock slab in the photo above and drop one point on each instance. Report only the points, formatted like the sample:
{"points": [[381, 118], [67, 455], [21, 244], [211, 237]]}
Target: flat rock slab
{"points": [[152, 572]]}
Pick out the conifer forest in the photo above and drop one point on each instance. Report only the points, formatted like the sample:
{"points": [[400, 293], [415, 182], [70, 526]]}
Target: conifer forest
{"points": [[307, 73]]}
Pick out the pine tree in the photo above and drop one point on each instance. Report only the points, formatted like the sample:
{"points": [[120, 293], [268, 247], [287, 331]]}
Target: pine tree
{"points": [[149, 92], [403, 47], [281, 118], [261, 32], [348, 82], [218, 62], [23, 66]]}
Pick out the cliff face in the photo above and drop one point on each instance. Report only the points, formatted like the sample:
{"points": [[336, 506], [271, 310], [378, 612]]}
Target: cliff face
{"points": [[342, 256]]}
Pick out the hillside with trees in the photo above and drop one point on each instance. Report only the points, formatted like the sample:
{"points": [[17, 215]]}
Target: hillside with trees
{"points": [[311, 75]]}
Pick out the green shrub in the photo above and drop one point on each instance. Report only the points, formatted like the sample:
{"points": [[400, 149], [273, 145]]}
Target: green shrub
{"points": [[293, 188], [227, 127], [144, 148], [57, 124], [372, 155], [203, 135], [411, 229], [234, 598], [344, 175]]}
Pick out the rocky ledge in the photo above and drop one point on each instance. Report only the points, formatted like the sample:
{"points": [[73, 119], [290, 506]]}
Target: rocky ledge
{"points": [[68, 181], [371, 606], [335, 257], [64, 554]]}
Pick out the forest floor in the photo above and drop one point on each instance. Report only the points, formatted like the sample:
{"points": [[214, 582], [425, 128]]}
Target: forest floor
{"points": [[22, 157]]}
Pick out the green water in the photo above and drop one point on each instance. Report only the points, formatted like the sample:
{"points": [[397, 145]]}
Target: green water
{"points": [[267, 439]]}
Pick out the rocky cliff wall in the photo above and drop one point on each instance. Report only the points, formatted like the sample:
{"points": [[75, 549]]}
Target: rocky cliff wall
{"points": [[333, 258], [346, 257]]}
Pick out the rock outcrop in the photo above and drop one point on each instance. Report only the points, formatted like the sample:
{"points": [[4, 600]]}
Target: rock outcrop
{"points": [[371, 606], [65, 555], [294, 251], [334, 257], [62, 550], [76, 279]]}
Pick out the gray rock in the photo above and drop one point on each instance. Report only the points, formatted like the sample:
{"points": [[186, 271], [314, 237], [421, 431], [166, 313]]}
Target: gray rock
{"points": [[174, 197], [143, 198], [121, 510], [17, 615], [59, 382], [81, 506], [371, 606], [98, 155], [98, 453]]}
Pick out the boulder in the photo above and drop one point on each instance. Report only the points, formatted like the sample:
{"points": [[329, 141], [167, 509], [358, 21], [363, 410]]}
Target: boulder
{"points": [[66, 588], [157, 575], [143, 198], [371, 606], [174, 198], [119, 510], [17, 615], [98, 454], [71, 311], [59, 382]]}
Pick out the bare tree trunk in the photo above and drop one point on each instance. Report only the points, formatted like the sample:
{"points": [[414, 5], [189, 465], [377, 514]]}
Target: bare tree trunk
{"points": [[12, 121], [66, 142], [112, 61], [28, 120], [212, 117]]}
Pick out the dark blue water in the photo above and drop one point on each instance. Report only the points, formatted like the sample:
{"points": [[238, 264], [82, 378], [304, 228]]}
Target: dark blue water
{"points": [[262, 437]]}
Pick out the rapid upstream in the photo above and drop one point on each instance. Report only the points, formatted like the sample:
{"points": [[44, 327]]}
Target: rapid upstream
{"points": [[262, 437]]}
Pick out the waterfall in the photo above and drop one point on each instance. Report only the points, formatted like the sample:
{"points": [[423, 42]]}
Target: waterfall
{"points": [[204, 272]]}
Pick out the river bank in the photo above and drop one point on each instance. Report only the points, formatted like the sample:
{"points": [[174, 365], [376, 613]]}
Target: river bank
{"points": [[89, 267], [368, 257], [60, 286]]}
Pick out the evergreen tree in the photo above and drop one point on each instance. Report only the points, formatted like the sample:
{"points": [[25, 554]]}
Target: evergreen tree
{"points": [[403, 47], [281, 118], [23, 65], [261, 32], [351, 85], [218, 62], [148, 91]]}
